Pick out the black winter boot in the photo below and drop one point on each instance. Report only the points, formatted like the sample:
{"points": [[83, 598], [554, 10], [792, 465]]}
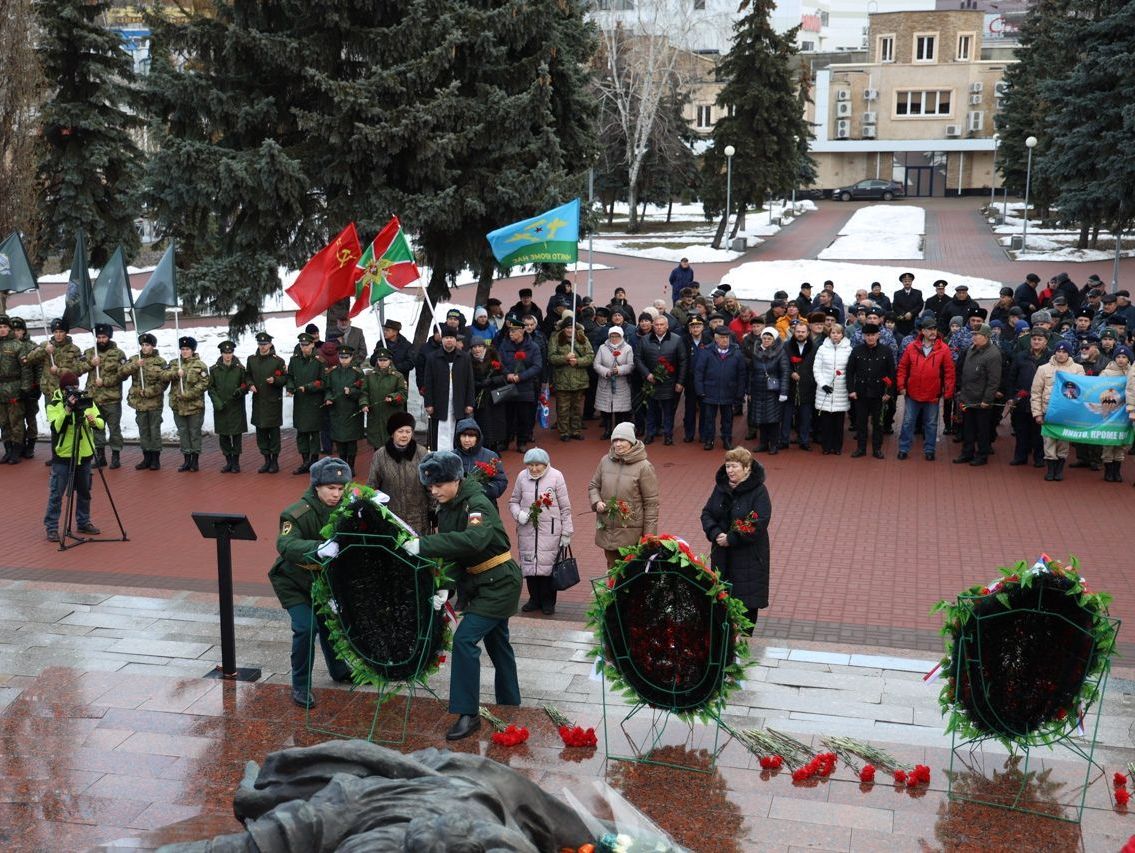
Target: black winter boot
{"points": [[100, 458], [145, 463], [228, 465], [1059, 469], [1050, 469], [263, 469], [533, 602], [7, 453], [236, 464], [1117, 472], [193, 464], [303, 467], [186, 463], [29, 448], [274, 463], [155, 460], [14, 455], [115, 460]]}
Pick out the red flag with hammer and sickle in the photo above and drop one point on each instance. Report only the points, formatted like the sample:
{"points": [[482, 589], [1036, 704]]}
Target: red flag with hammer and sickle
{"points": [[328, 277]]}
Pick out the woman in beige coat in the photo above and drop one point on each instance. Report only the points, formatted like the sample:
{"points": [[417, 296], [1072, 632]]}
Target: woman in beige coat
{"points": [[623, 476]]}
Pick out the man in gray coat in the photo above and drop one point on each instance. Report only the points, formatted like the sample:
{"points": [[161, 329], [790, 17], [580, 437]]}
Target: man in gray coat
{"points": [[662, 363], [979, 378]]}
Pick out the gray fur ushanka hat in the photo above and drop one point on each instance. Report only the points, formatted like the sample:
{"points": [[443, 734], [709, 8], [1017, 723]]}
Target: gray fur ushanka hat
{"points": [[442, 466]]}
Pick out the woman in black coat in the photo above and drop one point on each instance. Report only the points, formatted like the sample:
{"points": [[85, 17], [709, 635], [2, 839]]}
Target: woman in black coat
{"points": [[735, 520]]}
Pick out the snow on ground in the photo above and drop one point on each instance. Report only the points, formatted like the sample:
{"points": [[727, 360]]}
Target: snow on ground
{"points": [[1048, 244], [761, 279], [880, 232]]}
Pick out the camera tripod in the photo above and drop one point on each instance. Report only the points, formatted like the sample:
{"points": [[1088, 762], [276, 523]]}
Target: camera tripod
{"points": [[83, 431]]}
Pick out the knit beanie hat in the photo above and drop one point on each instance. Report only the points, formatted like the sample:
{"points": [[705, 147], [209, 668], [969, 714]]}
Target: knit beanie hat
{"points": [[625, 431]]}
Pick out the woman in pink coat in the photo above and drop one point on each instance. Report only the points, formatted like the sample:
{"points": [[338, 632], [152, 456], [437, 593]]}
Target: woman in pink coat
{"points": [[540, 532]]}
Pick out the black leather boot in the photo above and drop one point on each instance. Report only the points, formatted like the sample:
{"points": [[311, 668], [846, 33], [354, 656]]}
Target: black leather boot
{"points": [[115, 460], [145, 463], [29, 448], [466, 725], [1059, 470], [228, 465], [155, 460], [100, 458], [274, 463], [263, 469], [186, 463], [193, 463], [236, 465], [1049, 469], [7, 453]]}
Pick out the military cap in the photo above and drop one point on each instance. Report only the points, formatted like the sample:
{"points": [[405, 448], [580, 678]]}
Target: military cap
{"points": [[226, 346], [1109, 333], [345, 349], [305, 338], [695, 320], [977, 311], [104, 329], [18, 323], [187, 341], [58, 325], [1086, 312], [906, 275], [1084, 340], [393, 325], [831, 311], [330, 471], [383, 353], [147, 338], [941, 283], [263, 338], [874, 311], [514, 322]]}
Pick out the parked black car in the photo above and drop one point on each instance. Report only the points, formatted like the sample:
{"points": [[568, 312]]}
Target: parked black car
{"points": [[871, 188]]}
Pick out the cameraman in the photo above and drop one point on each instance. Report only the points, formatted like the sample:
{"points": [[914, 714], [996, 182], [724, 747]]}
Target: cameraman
{"points": [[72, 417]]}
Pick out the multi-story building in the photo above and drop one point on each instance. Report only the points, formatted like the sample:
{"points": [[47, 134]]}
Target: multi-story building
{"points": [[919, 110]]}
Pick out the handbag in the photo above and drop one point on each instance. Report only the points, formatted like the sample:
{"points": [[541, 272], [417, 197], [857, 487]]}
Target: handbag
{"points": [[503, 393], [565, 571]]}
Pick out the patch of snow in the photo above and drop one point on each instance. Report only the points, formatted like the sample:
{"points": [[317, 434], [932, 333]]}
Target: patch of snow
{"points": [[697, 254], [880, 232]]}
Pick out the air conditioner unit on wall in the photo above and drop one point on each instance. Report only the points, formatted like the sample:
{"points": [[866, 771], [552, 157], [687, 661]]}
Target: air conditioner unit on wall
{"points": [[842, 129], [1000, 88], [976, 87], [843, 108], [974, 100], [953, 130], [869, 118], [870, 94], [868, 131], [843, 95], [976, 120]]}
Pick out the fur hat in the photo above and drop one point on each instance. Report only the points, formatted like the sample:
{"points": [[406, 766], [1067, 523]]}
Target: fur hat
{"points": [[442, 466], [625, 431], [330, 471], [399, 420]]}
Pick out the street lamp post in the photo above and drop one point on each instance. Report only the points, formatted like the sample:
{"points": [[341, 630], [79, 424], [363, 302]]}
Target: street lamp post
{"points": [[993, 171], [729, 152], [1030, 144]]}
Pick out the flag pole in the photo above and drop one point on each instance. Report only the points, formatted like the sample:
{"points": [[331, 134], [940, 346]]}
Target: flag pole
{"points": [[176, 309], [43, 316]]}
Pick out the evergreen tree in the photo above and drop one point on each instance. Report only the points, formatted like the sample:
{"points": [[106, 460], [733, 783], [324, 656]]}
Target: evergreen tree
{"points": [[763, 117], [1087, 160], [91, 166]]}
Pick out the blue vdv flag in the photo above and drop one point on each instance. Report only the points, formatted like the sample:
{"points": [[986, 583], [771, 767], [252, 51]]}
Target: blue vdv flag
{"points": [[1088, 410], [550, 238]]}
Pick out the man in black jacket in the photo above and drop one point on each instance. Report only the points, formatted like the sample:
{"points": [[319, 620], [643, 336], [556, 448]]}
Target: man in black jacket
{"points": [[938, 301], [401, 350], [448, 394], [1025, 296], [907, 305], [661, 361], [870, 383]]}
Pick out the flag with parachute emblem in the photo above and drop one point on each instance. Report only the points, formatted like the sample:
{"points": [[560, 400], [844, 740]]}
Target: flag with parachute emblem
{"points": [[387, 267], [550, 238]]}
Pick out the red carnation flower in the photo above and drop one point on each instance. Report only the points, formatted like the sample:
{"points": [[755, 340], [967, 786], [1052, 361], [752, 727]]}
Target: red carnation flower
{"points": [[839, 373], [1119, 780], [278, 373], [796, 359], [1122, 796], [867, 774], [318, 383], [520, 356], [900, 776], [495, 365]]}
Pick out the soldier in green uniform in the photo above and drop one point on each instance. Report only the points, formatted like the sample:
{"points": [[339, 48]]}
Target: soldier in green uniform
{"points": [[104, 386], [228, 383], [188, 382], [31, 396], [344, 391], [267, 374], [471, 535], [384, 393], [56, 356], [299, 544], [15, 381], [306, 388], [147, 391]]}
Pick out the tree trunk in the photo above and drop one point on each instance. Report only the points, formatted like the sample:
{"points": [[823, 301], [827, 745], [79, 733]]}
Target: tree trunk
{"points": [[670, 210], [438, 290], [739, 221], [485, 282], [1095, 241], [1082, 240], [632, 209], [720, 233]]}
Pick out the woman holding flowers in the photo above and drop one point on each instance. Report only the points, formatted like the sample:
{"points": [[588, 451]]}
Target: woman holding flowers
{"points": [[624, 494], [735, 520], [542, 510], [614, 364]]}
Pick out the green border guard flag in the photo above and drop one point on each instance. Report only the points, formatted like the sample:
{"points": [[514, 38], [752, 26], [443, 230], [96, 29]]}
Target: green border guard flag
{"points": [[16, 274], [550, 238]]}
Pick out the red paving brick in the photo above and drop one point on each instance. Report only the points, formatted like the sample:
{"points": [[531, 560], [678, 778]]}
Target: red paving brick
{"points": [[859, 546]]}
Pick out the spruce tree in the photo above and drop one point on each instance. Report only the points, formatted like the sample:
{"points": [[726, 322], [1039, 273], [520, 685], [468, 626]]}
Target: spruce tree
{"points": [[763, 117], [91, 165]]}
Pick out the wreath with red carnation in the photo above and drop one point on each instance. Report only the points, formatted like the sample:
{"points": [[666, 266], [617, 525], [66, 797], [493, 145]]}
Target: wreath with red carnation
{"points": [[669, 633]]}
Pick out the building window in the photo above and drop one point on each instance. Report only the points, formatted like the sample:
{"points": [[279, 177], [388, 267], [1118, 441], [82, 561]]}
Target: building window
{"points": [[930, 102], [705, 115], [924, 47], [886, 48], [807, 46], [699, 5], [965, 47]]}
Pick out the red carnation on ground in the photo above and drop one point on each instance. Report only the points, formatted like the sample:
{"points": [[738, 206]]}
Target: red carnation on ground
{"points": [[1122, 796], [867, 774], [1119, 780]]}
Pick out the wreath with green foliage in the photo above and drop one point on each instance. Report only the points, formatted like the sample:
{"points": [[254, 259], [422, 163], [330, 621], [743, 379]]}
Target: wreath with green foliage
{"points": [[1025, 655], [387, 532], [676, 558]]}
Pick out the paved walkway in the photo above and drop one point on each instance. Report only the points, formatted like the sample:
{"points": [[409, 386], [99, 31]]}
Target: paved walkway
{"points": [[113, 737]]}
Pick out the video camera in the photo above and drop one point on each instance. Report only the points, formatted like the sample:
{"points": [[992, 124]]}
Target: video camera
{"points": [[76, 399]]}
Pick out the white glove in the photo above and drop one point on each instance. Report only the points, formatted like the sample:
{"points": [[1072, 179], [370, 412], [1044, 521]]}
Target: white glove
{"points": [[440, 597], [380, 498], [783, 398], [565, 540], [411, 546], [523, 517], [328, 549]]}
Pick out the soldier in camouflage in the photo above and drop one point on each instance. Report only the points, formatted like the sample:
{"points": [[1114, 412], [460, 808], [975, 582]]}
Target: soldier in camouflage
{"points": [[267, 375], [188, 381], [15, 380], [104, 385], [31, 396], [147, 390]]}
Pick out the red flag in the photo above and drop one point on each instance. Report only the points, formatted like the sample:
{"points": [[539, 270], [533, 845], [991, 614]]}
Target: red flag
{"points": [[328, 277]]}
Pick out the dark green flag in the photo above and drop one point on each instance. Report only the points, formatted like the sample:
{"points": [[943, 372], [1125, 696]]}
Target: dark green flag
{"points": [[112, 290], [80, 299], [16, 274], [159, 294]]}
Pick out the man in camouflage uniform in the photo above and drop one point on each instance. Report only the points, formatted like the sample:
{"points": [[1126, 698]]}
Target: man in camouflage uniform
{"points": [[147, 392], [188, 382], [15, 380], [267, 374], [56, 356], [104, 385], [228, 383], [31, 396], [306, 387]]}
